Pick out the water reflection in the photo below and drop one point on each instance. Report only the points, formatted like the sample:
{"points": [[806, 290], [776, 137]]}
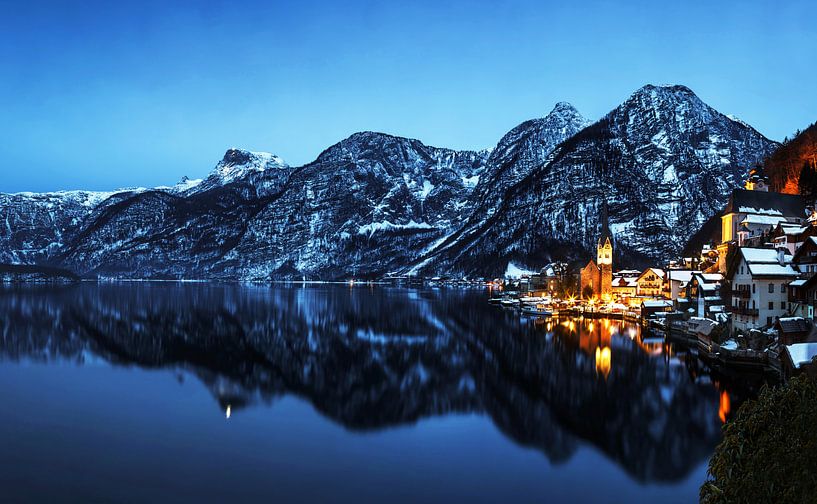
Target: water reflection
{"points": [[370, 358]]}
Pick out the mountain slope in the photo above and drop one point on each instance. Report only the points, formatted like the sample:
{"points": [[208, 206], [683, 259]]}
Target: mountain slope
{"points": [[793, 167], [663, 160], [375, 204], [366, 206]]}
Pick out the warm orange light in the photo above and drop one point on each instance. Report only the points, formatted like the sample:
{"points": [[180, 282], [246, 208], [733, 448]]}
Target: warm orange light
{"points": [[603, 361], [725, 406]]}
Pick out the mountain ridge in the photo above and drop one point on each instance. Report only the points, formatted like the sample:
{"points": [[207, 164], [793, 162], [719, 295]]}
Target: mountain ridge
{"points": [[375, 204]]}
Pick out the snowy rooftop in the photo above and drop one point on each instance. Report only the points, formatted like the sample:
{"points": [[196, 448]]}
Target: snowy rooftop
{"points": [[760, 211], [802, 353], [772, 270], [657, 271], [762, 255], [763, 219], [657, 303], [681, 275]]}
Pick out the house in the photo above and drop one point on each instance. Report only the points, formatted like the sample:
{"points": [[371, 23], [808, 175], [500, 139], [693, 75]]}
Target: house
{"points": [[758, 280], [704, 294], [805, 258], [752, 213], [803, 296], [792, 330], [789, 235], [675, 282], [651, 282], [624, 286], [655, 308], [799, 358]]}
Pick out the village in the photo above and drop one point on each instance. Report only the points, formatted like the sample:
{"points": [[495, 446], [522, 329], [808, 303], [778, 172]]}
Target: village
{"points": [[745, 302]]}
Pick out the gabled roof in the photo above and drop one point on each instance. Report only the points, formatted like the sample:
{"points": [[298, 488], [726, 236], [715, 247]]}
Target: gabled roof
{"points": [[681, 275], [769, 203], [591, 263], [624, 282], [772, 220], [809, 245], [762, 262], [801, 353], [793, 324], [772, 270], [658, 272]]}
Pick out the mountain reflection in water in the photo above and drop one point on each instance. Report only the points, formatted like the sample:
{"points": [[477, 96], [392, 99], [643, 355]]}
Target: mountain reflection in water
{"points": [[369, 358]]}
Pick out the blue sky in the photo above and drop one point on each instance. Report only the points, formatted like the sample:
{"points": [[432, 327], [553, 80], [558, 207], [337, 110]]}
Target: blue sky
{"points": [[102, 95]]}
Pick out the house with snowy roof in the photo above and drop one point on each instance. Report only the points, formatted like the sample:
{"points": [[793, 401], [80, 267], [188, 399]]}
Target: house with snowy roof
{"points": [[803, 291], [651, 282], [753, 212], [704, 294], [675, 282], [790, 235], [624, 286], [758, 280]]}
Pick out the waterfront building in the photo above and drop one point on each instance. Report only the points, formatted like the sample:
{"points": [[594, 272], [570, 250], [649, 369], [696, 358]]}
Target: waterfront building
{"points": [[704, 294], [758, 280]]}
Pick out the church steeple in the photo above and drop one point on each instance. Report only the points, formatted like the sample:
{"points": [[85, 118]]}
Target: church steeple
{"points": [[604, 247], [605, 234]]}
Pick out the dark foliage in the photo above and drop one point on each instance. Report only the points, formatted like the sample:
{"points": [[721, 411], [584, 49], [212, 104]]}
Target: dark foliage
{"points": [[769, 451]]}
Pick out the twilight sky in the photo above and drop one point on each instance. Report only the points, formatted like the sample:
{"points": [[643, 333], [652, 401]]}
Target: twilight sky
{"points": [[101, 94]]}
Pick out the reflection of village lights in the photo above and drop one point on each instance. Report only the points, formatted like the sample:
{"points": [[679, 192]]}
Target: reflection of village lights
{"points": [[603, 361], [725, 406], [590, 327], [632, 332], [549, 326], [228, 411]]}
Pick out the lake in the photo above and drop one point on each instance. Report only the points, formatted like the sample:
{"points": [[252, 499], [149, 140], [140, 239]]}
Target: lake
{"points": [[179, 392]]}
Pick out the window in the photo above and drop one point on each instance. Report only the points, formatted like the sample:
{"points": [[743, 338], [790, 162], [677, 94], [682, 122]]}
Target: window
{"points": [[771, 288], [782, 305], [768, 320], [771, 305], [782, 288]]}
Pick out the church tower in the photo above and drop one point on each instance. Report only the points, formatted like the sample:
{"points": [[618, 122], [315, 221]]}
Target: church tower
{"points": [[604, 255]]}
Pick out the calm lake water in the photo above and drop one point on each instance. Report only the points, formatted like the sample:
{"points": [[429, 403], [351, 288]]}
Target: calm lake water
{"points": [[209, 392]]}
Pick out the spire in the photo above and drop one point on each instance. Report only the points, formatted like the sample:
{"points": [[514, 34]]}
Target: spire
{"points": [[605, 224]]}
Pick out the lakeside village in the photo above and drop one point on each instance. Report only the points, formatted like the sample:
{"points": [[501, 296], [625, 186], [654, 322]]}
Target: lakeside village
{"points": [[746, 303]]}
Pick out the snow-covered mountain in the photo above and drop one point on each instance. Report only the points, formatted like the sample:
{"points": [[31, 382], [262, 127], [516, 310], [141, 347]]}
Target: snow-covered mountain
{"points": [[373, 203], [663, 160]]}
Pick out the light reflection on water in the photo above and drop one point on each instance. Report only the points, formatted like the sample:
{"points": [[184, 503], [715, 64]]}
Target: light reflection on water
{"points": [[584, 394]]}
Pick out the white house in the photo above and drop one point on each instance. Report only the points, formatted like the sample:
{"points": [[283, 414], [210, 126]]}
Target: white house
{"points": [[651, 282], [676, 281], [759, 278]]}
